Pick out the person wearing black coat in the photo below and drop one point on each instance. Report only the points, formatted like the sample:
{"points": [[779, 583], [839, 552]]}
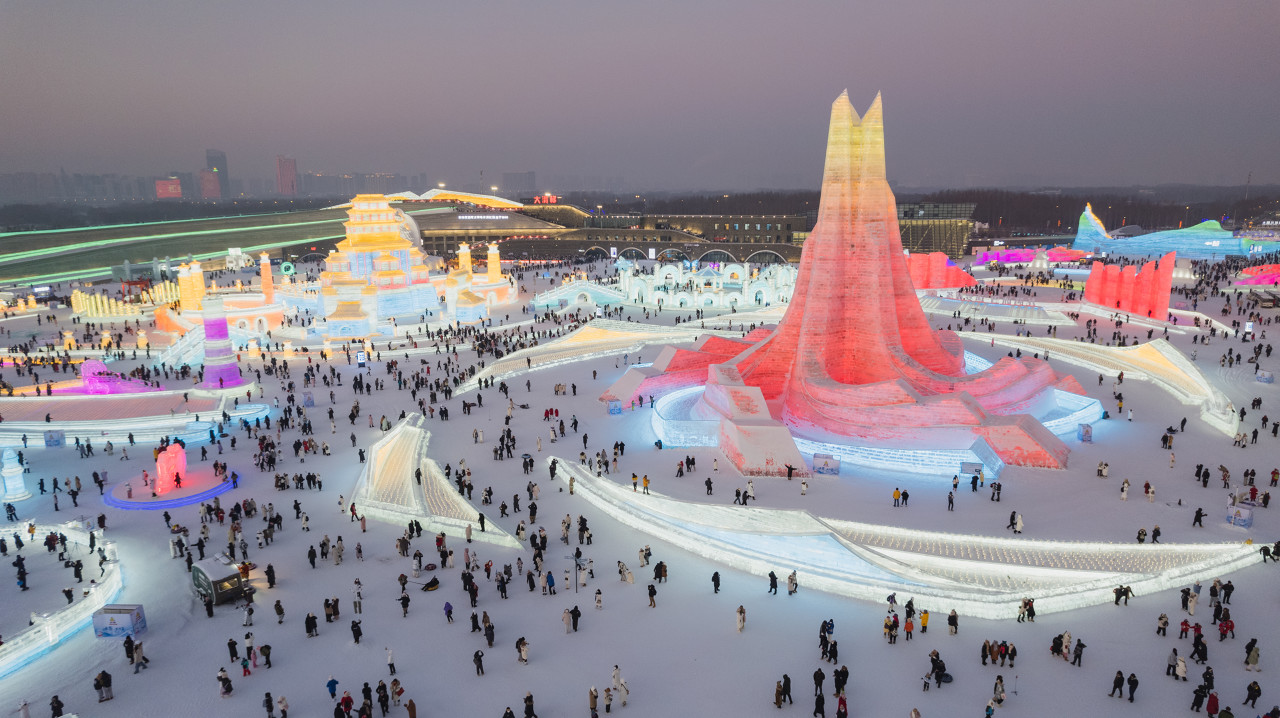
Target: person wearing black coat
{"points": [[1117, 684], [786, 688], [819, 706], [1133, 686], [1079, 651]]}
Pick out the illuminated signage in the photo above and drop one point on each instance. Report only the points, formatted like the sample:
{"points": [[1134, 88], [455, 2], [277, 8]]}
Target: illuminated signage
{"points": [[546, 199], [482, 216], [168, 189]]}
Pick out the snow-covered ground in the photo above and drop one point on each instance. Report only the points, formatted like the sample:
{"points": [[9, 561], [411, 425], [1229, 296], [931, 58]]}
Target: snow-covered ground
{"points": [[684, 657]]}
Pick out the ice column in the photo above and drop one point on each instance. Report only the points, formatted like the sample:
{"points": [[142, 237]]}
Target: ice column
{"points": [[220, 369]]}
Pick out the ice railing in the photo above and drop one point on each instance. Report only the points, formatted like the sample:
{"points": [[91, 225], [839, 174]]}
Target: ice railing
{"points": [[940, 583], [572, 348], [1185, 383], [50, 629], [190, 427]]}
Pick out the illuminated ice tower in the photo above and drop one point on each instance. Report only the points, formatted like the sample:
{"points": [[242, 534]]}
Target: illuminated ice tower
{"points": [[220, 369], [854, 367], [268, 285], [494, 267], [464, 257]]}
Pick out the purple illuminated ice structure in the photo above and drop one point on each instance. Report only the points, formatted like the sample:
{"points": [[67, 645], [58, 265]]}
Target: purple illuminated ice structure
{"points": [[95, 378], [220, 368]]}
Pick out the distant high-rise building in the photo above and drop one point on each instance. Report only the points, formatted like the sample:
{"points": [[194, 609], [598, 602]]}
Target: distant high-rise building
{"points": [[190, 189], [210, 187], [216, 161], [519, 184], [286, 176]]}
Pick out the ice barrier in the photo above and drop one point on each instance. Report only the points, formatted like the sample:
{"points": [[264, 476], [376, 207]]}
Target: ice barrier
{"points": [[47, 630], [983, 577]]}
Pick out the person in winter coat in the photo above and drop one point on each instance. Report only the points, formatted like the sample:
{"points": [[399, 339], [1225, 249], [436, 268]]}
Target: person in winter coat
{"points": [[1252, 693], [1197, 697], [1211, 706], [1133, 686], [103, 682], [1117, 685], [953, 623], [283, 705], [356, 631], [522, 649], [1251, 661], [270, 704], [742, 618], [777, 694]]}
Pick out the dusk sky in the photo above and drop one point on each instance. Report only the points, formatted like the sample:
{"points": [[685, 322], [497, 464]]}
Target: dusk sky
{"points": [[707, 94]]}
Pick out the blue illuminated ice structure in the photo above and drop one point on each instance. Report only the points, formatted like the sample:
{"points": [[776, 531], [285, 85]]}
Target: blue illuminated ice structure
{"points": [[1207, 240], [579, 291]]}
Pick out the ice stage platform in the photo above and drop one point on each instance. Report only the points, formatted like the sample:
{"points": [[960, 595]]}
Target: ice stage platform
{"points": [[980, 576], [680, 420], [198, 485]]}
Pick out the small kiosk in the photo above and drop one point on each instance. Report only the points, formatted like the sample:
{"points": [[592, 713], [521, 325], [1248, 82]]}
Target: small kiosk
{"points": [[119, 619], [218, 578]]}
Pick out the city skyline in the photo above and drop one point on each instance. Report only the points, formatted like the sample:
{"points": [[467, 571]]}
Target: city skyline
{"points": [[714, 95]]}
